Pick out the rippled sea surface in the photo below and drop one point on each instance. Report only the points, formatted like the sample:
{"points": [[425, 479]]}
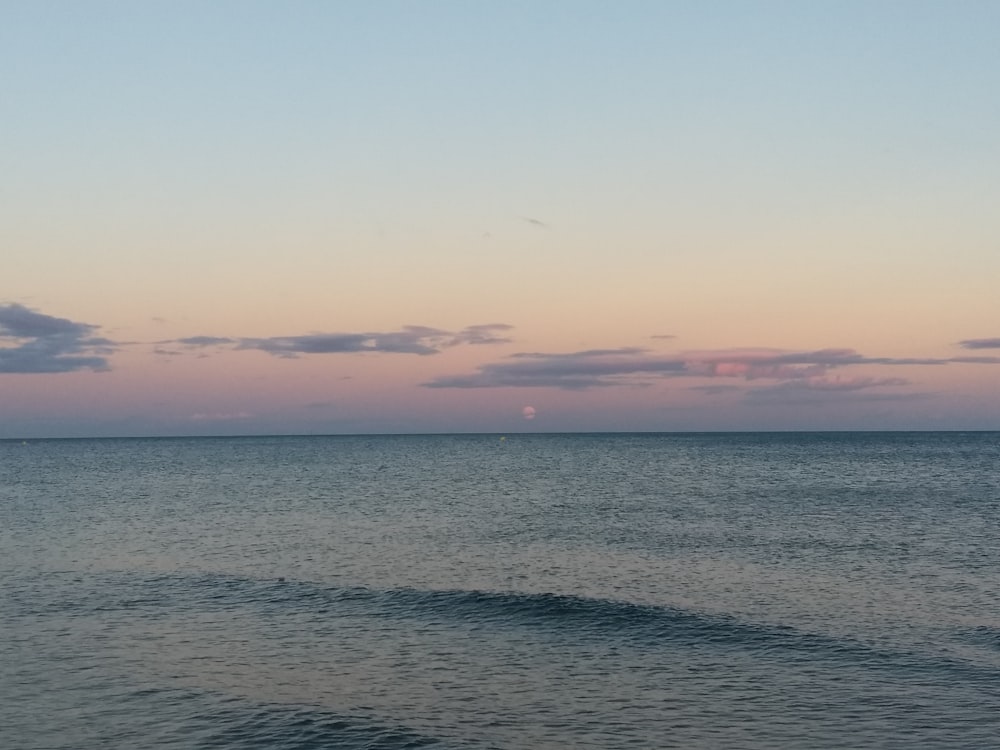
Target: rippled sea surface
{"points": [[539, 591]]}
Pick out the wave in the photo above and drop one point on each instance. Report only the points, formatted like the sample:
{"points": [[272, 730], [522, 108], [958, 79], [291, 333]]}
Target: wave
{"points": [[558, 615], [563, 615], [278, 727], [987, 636], [207, 721]]}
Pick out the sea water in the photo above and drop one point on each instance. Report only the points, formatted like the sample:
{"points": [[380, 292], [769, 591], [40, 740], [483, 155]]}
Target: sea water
{"points": [[540, 591]]}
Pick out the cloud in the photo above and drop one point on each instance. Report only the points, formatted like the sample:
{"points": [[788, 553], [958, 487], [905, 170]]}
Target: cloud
{"points": [[571, 371], [843, 384], [975, 360], [32, 342], [482, 334], [419, 340], [220, 416], [836, 389], [202, 341], [980, 344], [410, 340], [829, 385], [634, 366]]}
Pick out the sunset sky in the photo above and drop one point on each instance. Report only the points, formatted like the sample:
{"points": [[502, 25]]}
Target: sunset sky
{"points": [[382, 216]]}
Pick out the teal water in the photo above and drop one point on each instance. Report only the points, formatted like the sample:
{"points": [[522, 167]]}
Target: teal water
{"points": [[545, 591]]}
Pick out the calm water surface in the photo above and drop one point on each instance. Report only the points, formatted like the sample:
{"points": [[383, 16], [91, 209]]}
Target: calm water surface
{"points": [[545, 591]]}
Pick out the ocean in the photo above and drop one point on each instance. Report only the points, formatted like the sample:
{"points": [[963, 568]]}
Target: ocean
{"points": [[751, 591]]}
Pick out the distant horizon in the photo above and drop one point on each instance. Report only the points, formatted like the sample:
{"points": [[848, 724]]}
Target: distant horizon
{"points": [[498, 434]]}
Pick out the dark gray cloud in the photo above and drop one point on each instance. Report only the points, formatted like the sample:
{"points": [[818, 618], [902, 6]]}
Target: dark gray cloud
{"points": [[220, 416], [419, 340], [975, 360], [980, 344], [573, 371], [202, 341], [833, 390], [830, 385], [812, 387], [18, 321], [488, 333], [410, 340], [634, 366], [32, 342]]}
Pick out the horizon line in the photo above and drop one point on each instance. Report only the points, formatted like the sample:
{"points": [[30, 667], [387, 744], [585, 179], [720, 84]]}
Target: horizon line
{"points": [[475, 433]]}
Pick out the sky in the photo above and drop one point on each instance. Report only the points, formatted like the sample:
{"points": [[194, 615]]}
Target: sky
{"points": [[388, 216]]}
